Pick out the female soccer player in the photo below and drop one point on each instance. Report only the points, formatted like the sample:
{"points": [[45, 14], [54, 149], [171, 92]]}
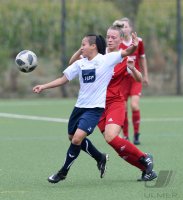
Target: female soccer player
{"points": [[94, 71], [113, 116], [131, 88]]}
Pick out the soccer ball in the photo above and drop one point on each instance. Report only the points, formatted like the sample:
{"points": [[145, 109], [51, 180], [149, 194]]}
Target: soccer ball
{"points": [[26, 61]]}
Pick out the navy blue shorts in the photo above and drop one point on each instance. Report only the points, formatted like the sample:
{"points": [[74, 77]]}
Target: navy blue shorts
{"points": [[85, 119]]}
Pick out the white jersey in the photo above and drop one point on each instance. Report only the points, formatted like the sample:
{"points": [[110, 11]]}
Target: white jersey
{"points": [[94, 77]]}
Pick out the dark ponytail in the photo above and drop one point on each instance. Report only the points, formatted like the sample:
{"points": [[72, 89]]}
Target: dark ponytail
{"points": [[99, 41], [101, 44]]}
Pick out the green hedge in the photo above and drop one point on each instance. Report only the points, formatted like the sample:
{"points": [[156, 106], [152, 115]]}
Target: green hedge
{"points": [[35, 25]]}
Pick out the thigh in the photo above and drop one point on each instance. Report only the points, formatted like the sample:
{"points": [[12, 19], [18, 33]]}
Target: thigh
{"points": [[89, 119]]}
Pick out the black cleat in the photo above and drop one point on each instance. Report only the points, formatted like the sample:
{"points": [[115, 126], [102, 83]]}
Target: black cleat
{"points": [[148, 177], [102, 164], [136, 139], [55, 178], [147, 162]]}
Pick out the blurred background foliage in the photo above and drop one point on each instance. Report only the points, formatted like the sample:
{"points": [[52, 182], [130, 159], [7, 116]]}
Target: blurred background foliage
{"points": [[36, 25]]}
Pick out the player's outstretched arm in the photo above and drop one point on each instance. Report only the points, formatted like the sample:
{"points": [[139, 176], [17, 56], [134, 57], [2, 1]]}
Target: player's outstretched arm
{"points": [[131, 49], [52, 84], [75, 56]]}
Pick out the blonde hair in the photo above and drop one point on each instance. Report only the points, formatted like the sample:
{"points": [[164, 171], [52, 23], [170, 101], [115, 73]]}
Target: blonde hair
{"points": [[117, 28], [119, 22]]}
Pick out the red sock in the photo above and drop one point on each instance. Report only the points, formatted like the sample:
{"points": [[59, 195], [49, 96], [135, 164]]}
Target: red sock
{"points": [[125, 126], [135, 162], [127, 151], [136, 120]]}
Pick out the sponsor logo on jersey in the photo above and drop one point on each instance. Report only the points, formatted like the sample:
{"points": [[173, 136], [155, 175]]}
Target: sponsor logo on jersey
{"points": [[88, 75]]}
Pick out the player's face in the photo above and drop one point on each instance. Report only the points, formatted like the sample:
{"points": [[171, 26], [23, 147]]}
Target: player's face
{"points": [[127, 29], [86, 48], [113, 39]]}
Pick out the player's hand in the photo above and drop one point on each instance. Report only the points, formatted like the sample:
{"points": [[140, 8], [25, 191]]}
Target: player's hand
{"points": [[135, 40], [145, 81], [38, 88], [130, 63]]}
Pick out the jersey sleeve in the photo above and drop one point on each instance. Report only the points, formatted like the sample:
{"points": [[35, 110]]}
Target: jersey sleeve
{"points": [[113, 58], [72, 71]]}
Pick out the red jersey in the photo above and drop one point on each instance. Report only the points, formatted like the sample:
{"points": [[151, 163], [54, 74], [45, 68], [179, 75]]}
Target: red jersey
{"points": [[139, 53], [114, 87], [114, 112]]}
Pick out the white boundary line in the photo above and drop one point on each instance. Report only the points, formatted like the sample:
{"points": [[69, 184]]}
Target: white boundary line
{"points": [[38, 118], [175, 119], [62, 120]]}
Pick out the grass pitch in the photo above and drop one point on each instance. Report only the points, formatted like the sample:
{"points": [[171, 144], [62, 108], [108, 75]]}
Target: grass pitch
{"points": [[32, 147]]}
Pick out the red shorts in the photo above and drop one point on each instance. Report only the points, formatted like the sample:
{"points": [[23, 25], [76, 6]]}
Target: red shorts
{"points": [[114, 113], [130, 87]]}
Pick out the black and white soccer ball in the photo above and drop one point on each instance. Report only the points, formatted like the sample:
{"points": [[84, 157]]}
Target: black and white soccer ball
{"points": [[26, 61]]}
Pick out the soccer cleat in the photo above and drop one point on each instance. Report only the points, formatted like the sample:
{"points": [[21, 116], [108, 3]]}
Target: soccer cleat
{"points": [[136, 139], [102, 164], [148, 177], [147, 162], [55, 178]]}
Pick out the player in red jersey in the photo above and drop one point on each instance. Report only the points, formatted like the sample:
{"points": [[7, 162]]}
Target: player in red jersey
{"points": [[130, 87], [113, 116]]}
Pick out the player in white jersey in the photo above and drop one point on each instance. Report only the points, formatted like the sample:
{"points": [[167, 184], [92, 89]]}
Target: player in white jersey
{"points": [[94, 76], [94, 72]]}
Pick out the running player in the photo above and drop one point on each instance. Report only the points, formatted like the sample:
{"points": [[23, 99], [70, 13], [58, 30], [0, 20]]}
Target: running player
{"points": [[94, 71], [131, 88], [113, 116]]}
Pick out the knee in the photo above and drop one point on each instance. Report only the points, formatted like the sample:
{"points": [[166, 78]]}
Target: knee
{"points": [[135, 106], [108, 136], [135, 103], [76, 140]]}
